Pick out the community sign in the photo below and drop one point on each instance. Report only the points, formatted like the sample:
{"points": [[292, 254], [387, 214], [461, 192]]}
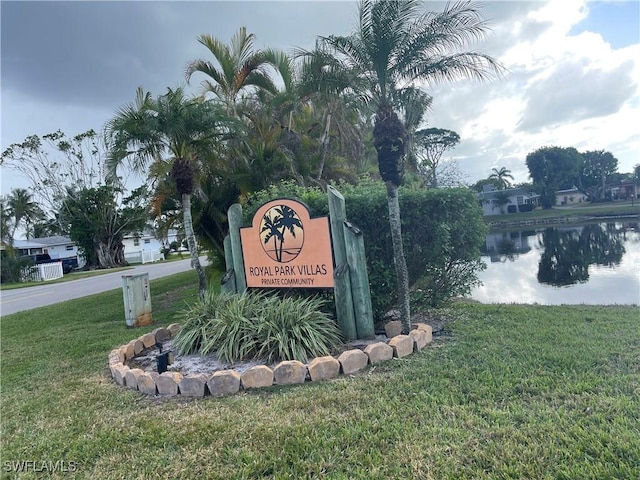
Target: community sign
{"points": [[286, 248]]}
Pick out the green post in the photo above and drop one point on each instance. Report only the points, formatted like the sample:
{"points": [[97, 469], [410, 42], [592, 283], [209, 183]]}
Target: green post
{"points": [[342, 278], [228, 252], [344, 302], [337, 216], [234, 215], [360, 292], [228, 281]]}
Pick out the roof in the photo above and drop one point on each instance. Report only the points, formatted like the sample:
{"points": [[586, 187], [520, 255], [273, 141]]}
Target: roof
{"points": [[54, 240], [569, 190], [42, 242], [511, 192], [27, 244]]}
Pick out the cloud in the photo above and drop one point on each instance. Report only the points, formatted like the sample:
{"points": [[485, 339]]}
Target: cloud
{"points": [[98, 53], [70, 65], [559, 88], [573, 92]]}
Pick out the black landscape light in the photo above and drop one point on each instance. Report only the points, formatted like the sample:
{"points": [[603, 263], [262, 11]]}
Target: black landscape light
{"points": [[163, 360]]}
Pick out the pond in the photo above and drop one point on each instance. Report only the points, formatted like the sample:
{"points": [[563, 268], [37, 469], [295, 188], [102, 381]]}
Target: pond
{"points": [[595, 264]]}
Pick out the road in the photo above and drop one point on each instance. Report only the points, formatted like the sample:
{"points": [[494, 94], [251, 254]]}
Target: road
{"points": [[19, 299]]}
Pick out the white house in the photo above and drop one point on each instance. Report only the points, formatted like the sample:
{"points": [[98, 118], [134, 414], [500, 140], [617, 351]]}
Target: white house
{"points": [[571, 196], [57, 246], [509, 200], [142, 247]]}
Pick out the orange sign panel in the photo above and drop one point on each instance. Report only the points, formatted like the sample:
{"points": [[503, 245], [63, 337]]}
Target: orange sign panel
{"points": [[286, 248]]}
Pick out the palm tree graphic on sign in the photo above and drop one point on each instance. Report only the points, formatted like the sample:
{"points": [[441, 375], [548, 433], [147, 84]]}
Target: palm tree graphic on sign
{"points": [[282, 233]]}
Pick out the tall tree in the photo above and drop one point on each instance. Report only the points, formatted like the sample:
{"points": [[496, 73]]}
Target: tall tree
{"points": [[552, 169], [501, 176], [48, 227], [328, 120], [55, 164], [98, 221], [396, 45], [596, 168], [431, 145], [174, 129]]}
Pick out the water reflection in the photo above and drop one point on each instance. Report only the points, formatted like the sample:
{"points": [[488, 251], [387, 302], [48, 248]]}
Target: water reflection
{"points": [[568, 253], [591, 263]]}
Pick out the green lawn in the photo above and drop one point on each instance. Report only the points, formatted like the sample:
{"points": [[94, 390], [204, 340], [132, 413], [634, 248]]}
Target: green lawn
{"points": [[510, 392], [77, 275]]}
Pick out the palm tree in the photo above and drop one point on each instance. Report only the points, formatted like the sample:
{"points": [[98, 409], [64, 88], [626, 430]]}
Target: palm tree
{"points": [[271, 227], [237, 67], [5, 222], [173, 129], [329, 88], [288, 221], [396, 45], [21, 208], [501, 177]]}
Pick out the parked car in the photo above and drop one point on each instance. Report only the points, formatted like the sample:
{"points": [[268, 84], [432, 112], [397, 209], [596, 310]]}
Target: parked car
{"points": [[68, 264]]}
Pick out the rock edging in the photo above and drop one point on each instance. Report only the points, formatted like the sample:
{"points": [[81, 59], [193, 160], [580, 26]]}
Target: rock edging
{"points": [[229, 382]]}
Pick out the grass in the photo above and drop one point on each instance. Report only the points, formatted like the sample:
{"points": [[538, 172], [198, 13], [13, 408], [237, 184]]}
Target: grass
{"points": [[78, 275], [574, 212], [513, 392]]}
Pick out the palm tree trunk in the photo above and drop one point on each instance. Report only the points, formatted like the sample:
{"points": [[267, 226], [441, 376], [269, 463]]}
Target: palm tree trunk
{"points": [[325, 146], [191, 243], [402, 274]]}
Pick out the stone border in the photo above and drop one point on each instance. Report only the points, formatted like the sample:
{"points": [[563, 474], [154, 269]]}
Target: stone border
{"points": [[229, 382]]}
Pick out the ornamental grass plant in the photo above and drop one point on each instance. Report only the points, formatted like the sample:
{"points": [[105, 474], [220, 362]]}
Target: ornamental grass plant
{"points": [[255, 325]]}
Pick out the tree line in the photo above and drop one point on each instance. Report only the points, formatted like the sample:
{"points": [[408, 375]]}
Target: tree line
{"points": [[561, 168], [332, 113]]}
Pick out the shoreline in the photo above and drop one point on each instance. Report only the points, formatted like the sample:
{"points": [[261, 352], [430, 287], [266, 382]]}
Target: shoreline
{"points": [[560, 220]]}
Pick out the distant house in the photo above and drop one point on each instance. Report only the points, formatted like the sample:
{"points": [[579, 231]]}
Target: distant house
{"points": [[509, 200], [571, 196], [144, 247], [58, 247], [627, 189]]}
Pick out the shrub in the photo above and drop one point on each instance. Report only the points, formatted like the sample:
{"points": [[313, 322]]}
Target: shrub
{"points": [[12, 268], [442, 231], [257, 325], [296, 329], [525, 207], [194, 321]]}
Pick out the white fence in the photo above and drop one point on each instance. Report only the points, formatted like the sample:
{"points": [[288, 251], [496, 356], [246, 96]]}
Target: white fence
{"points": [[143, 256], [42, 272], [151, 256]]}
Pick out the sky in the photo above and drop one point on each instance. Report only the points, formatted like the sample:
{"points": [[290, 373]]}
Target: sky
{"points": [[572, 70]]}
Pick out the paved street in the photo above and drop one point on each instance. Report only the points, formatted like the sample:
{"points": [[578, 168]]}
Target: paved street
{"points": [[12, 301]]}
